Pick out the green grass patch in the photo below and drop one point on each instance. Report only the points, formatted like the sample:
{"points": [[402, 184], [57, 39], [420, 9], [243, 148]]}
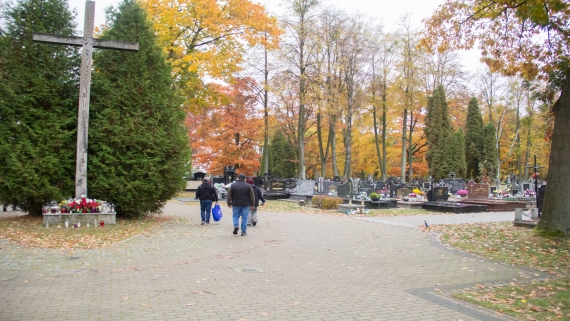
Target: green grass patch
{"points": [[548, 300], [541, 301]]}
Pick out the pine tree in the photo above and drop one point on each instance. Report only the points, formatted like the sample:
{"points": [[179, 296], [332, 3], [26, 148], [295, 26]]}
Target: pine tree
{"points": [[473, 139], [457, 154], [281, 157], [439, 135], [138, 144], [490, 155], [38, 105]]}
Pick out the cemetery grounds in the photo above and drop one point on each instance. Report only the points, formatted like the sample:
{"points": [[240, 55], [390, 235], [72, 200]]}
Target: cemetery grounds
{"points": [[548, 299]]}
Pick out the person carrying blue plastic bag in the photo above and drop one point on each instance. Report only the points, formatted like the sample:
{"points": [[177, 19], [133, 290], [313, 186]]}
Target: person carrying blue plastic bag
{"points": [[240, 199], [207, 194]]}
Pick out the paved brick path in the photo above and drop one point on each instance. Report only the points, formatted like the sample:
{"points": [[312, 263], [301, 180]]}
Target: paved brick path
{"points": [[289, 267]]}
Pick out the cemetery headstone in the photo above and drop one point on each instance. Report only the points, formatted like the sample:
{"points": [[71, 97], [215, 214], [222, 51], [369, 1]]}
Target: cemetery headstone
{"points": [[403, 192], [275, 185], [320, 185], [440, 194], [344, 190], [366, 187], [289, 184], [477, 190], [305, 187], [330, 187], [526, 186], [380, 185]]}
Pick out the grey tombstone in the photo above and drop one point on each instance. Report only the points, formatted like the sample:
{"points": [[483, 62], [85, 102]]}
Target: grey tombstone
{"points": [[344, 190], [88, 43], [526, 186], [320, 185], [328, 186], [305, 187]]}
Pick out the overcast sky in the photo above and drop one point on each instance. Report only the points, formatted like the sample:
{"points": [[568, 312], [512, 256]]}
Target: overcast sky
{"points": [[387, 12]]}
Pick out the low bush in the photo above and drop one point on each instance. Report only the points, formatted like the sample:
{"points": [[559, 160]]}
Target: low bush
{"points": [[326, 202]]}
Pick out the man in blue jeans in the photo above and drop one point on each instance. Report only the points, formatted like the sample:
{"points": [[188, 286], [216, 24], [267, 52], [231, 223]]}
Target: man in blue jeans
{"points": [[240, 199], [207, 194]]}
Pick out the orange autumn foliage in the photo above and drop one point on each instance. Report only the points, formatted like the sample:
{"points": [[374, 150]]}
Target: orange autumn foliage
{"points": [[228, 132]]}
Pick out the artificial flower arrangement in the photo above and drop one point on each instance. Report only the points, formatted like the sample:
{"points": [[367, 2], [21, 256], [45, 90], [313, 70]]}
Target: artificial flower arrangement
{"points": [[78, 205], [84, 205], [413, 195], [462, 192], [417, 191]]}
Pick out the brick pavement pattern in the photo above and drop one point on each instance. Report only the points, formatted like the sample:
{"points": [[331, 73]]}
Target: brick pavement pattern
{"points": [[290, 267]]}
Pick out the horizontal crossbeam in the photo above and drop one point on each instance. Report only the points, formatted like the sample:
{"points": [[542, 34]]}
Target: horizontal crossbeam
{"points": [[80, 41]]}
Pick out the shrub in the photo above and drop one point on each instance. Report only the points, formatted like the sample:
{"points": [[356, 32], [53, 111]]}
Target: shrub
{"points": [[326, 202], [331, 203], [374, 195], [318, 200]]}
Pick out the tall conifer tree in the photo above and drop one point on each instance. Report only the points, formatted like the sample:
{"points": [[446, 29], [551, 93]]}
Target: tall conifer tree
{"points": [[457, 154], [281, 157], [38, 105], [439, 134], [138, 143], [473, 139], [490, 155]]}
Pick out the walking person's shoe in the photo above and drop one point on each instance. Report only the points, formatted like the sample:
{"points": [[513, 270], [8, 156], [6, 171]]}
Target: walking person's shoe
{"points": [[254, 223], [236, 230], [207, 223], [202, 223], [243, 233]]}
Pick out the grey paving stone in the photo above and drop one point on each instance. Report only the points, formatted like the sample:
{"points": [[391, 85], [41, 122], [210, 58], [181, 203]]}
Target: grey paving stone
{"points": [[315, 267]]}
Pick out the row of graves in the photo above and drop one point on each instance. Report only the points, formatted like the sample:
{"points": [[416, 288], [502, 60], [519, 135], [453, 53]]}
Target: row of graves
{"points": [[356, 193]]}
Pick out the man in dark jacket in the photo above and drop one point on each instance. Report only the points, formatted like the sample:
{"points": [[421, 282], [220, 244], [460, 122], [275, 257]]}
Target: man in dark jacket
{"points": [[207, 194], [258, 196], [240, 198]]}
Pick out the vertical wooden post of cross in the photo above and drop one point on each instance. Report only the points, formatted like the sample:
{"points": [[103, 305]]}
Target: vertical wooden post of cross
{"points": [[88, 43]]}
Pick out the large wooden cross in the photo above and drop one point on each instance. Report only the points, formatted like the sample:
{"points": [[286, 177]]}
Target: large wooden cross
{"points": [[88, 43]]}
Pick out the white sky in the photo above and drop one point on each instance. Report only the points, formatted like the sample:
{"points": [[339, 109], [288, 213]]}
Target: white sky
{"points": [[388, 12]]}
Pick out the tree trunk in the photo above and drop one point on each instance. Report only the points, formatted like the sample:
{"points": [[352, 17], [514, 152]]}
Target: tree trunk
{"points": [[518, 146], [376, 138], [403, 167], [410, 169], [266, 119], [527, 155], [348, 147], [333, 145], [384, 107], [555, 211]]}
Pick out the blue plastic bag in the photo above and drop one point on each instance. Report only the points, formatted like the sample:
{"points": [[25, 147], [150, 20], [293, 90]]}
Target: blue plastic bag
{"points": [[217, 212]]}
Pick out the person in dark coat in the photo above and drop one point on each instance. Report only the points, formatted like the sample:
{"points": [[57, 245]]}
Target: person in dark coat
{"points": [[252, 220], [207, 194], [240, 199]]}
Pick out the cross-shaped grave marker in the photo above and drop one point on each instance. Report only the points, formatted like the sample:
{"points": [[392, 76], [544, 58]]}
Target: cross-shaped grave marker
{"points": [[88, 43]]}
